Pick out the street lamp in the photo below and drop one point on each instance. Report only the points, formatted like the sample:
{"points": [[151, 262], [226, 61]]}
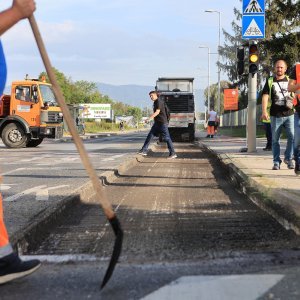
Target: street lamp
{"points": [[219, 71], [208, 75]]}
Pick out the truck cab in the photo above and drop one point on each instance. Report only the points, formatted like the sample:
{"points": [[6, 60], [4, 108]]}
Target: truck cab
{"points": [[29, 114]]}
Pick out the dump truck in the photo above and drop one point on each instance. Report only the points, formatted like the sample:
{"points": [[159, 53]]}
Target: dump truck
{"points": [[29, 114], [178, 95]]}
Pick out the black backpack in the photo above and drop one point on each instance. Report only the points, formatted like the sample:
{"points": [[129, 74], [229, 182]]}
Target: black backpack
{"points": [[168, 114]]}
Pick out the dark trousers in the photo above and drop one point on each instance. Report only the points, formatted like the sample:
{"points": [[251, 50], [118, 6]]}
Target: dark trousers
{"points": [[268, 131], [157, 129]]}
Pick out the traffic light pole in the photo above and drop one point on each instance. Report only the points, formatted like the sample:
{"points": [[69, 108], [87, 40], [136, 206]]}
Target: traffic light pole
{"points": [[251, 120]]}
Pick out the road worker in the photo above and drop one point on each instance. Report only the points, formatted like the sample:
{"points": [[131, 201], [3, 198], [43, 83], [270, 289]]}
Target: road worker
{"points": [[11, 266]]}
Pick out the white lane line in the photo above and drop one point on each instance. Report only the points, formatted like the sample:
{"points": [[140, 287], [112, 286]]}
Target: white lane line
{"points": [[41, 193], [5, 187], [114, 157], [232, 287], [12, 171]]}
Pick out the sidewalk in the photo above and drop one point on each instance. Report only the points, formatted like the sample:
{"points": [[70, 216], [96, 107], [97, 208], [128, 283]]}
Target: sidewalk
{"points": [[278, 192]]}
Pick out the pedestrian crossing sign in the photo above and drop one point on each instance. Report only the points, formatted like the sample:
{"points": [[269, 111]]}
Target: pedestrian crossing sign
{"points": [[253, 27], [253, 20], [253, 7]]}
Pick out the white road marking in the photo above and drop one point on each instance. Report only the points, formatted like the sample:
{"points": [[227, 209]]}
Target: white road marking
{"points": [[41, 191], [5, 187], [232, 287], [12, 171], [114, 157], [43, 195]]}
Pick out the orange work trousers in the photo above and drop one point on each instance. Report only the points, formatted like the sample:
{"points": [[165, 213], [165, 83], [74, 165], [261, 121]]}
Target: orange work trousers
{"points": [[4, 241], [210, 130]]}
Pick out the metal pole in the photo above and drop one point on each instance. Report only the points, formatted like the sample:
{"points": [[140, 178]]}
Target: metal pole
{"points": [[208, 79], [208, 88], [251, 122], [219, 70]]}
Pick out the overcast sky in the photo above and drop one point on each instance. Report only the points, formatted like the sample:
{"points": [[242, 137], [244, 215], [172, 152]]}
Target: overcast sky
{"points": [[121, 41]]}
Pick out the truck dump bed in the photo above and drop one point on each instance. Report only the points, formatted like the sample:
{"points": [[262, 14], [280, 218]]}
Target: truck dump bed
{"points": [[4, 105]]}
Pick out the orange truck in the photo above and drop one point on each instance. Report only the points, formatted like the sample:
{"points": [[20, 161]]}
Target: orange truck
{"points": [[29, 114]]}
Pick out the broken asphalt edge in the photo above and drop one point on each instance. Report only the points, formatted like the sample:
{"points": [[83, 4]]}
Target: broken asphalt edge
{"points": [[42, 223], [281, 207]]}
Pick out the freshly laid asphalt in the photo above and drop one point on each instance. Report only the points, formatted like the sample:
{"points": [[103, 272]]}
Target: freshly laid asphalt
{"points": [[277, 192]]}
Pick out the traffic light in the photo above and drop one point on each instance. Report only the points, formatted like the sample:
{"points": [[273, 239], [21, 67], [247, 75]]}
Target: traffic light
{"points": [[253, 57], [240, 54]]}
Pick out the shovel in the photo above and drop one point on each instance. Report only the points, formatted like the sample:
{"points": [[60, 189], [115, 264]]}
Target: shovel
{"points": [[100, 194]]}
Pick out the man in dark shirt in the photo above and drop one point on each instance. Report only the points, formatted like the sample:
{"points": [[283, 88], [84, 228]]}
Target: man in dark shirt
{"points": [[160, 126], [281, 116], [294, 86]]}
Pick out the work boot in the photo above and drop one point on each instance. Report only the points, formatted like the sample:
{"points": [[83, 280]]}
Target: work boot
{"points": [[12, 267], [267, 148]]}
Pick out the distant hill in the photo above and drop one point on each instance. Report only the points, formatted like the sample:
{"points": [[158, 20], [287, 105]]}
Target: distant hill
{"points": [[137, 95]]}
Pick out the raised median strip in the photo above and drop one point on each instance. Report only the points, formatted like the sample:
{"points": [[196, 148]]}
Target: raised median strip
{"points": [[282, 201]]}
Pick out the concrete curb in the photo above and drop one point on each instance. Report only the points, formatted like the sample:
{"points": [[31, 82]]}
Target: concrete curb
{"points": [[282, 206], [48, 218]]}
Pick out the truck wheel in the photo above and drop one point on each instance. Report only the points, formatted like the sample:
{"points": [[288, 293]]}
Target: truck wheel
{"points": [[34, 143], [14, 136]]}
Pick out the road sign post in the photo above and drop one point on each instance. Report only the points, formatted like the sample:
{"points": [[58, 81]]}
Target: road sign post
{"points": [[253, 27]]}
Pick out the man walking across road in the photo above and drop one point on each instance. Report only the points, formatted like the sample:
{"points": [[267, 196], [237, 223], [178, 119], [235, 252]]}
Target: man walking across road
{"points": [[160, 126], [11, 266], [281, 113], [294, 86]]}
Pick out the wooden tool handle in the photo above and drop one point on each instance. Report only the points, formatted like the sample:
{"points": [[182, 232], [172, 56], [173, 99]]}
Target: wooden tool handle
{"points": [[100, 194]]}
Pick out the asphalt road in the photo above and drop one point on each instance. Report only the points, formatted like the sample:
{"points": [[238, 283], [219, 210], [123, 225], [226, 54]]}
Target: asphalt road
{"points": [[187, 233], [34, 177]]}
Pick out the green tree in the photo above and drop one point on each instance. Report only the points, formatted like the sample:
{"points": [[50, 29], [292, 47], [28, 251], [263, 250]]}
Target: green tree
{"points": [[282, 41], [137, 114]]}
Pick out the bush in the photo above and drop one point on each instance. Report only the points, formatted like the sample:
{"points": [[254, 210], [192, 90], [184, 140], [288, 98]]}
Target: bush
{"points": [[95, 127]]}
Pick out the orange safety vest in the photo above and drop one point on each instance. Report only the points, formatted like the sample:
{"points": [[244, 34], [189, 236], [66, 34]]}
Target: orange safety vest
{"points": [[297, 98], [3, 232]]}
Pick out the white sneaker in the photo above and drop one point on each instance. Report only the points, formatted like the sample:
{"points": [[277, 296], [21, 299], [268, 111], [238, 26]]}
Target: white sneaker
{"points": [[172, 156]]}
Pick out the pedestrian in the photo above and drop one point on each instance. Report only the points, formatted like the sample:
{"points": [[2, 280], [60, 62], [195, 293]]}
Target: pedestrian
{"points": [[11, 266], [212, 119], [294, 86], [160, 126], [281, 113]]}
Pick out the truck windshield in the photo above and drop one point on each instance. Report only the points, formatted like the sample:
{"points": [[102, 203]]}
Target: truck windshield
{"points": [[48, 95], [175, 86]]}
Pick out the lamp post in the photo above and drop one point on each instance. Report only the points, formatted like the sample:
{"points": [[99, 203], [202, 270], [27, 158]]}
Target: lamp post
{"points": [[219, 71], [208, 75]]}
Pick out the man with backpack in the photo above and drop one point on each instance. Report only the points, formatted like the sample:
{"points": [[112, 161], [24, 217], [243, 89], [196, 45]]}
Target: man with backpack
{"points": [[160, 126], [281, 113], [294, 86]]}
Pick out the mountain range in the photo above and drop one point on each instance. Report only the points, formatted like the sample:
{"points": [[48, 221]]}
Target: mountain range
{"points": [[137, 95]]}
